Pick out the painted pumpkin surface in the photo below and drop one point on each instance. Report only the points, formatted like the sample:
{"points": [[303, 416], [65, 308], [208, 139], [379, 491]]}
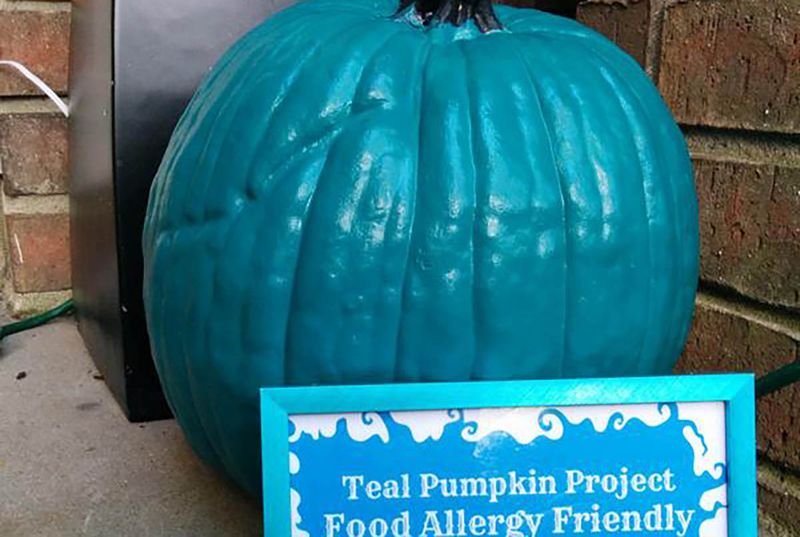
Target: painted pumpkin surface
{"points": [[361, 195]]}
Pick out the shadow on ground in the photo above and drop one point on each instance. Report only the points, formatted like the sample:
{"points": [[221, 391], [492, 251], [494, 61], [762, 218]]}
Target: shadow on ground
{"points": [[71, 464]]}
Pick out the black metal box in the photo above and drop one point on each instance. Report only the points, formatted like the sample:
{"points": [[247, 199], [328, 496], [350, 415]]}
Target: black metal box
{"points": [[134, 66]]}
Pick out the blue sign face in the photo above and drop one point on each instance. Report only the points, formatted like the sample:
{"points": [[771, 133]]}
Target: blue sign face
{"points": [[639, 469]]}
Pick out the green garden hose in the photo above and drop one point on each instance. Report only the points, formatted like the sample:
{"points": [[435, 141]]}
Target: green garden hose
{"points": [[778, 379], [36, 320]]}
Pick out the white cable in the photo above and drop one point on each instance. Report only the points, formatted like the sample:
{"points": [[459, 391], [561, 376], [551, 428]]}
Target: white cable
{"points": [[39, 83]]}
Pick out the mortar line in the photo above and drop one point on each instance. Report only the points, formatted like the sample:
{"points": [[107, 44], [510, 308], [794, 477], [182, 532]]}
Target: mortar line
{"points": [[744, 146], [761, 314], [28, 104], [778, 479], [36, 204], [42, 7]]}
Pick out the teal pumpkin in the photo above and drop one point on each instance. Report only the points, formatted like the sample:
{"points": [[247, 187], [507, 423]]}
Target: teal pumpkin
{"points": [[355, 196]]}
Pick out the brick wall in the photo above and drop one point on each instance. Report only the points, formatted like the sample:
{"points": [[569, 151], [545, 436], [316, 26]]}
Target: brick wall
{"points": [[730, 71], [34, 230]]}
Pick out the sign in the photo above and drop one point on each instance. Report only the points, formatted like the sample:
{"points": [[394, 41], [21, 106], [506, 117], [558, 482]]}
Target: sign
{"points": [[671, 456]]}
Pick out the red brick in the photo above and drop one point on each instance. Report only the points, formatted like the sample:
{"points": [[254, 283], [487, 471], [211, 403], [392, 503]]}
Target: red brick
{"points": [[724, 341], [750, 229], [33, 153], [38, 39], [733, 63], [625, 23], [38, 246]]}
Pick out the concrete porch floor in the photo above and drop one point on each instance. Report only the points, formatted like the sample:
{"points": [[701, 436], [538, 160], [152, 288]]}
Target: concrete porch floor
{"points": [[72, 465]]}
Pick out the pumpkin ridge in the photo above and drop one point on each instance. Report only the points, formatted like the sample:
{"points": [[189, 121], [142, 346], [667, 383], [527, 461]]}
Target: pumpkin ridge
{"points": [[191, 208], [188, 124], [213, 429], [684, 222], [199, 383], [625, 110], [184, 406], [381, 208], [217, 86], [646, 356], [543, 185], [677, 333], [186, 413], [562, 189], [316, 164], [212, 422], [671, 177], [593, 172], [303, 242], [210, 430], [678, 271], [227, 444], [362, 107], [477, 182], [254, 81], [323, 138], [575, 110], [252, 41], [616, 206], [332, 122], [252, 190], [422, 68], [644, 363], [431, 323], [248, 192]]}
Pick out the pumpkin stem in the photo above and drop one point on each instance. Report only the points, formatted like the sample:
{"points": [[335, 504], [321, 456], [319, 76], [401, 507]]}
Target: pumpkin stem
{"points": [[455, 12]]}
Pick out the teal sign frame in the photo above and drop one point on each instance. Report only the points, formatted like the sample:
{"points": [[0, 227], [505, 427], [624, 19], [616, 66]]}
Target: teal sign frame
{"points": [[736, 391]]}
